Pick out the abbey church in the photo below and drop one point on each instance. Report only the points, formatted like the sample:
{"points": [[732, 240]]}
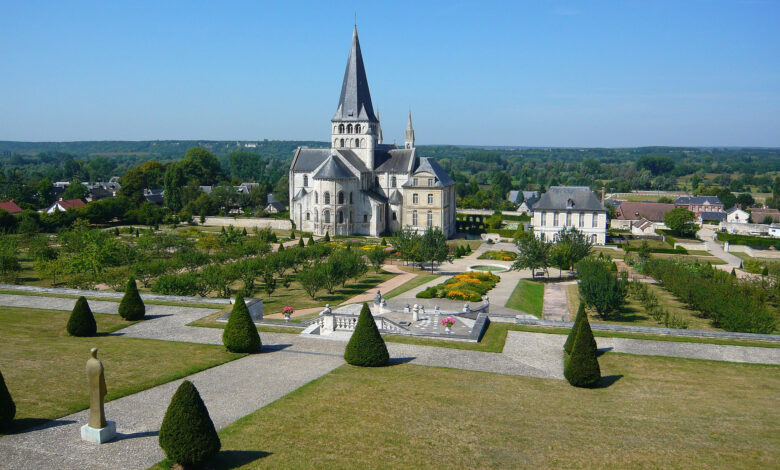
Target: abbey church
{"points": [[361, 185]]}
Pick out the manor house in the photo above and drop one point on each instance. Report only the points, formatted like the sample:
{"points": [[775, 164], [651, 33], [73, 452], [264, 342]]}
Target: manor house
{"points": [[361, 185]]}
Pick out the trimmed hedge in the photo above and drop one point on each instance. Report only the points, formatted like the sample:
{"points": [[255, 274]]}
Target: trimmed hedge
{"points": [[7, 406], [240, 334], [748, 240], [672, 251], [81, 321], [581, 368], [131, 307], [187, 434], [366, 348]]}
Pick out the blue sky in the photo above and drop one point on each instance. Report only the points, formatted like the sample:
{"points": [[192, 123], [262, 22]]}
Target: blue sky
{"points": [[525, 73]]}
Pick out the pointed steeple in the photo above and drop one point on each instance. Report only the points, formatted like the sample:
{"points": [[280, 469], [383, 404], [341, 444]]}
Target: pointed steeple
{"points": [[378, 128], [355, 100], [409, 139]]}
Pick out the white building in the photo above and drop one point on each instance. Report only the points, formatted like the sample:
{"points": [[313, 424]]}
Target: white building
{"points": [[737, 215], [360, 185], [570, 206]]}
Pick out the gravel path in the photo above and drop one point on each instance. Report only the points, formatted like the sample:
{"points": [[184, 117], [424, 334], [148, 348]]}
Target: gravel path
{"points": [[556, 305]]}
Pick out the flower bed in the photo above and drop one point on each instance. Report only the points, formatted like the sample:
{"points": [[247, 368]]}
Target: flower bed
{"points": [[499, 255], [469, 286]]}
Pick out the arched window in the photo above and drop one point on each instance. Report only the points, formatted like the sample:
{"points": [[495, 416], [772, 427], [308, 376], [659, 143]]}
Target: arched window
{"points": [[335, 129], [365, 217], [335, 142], [342, 143], [349, 128], [341, 197], [363, 143], [305, 180], [308, 215], [327, 197], [316, 215], [326, 216], [316, 198], [430, 219], [393, 182], [341, 128], [357, 128], [394, 216], [350, 197], [414, 218], [341, 217]]}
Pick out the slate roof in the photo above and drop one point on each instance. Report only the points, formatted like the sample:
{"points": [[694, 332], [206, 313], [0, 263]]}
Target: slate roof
{"points": [[558, 198], [374, 195], [643, 224], [654, 211], [392, 161], [395, 198], [10, 207], [514, 197], [333, 169], [309, 159], [712, 216], [300, 194], [353, 160], [355, 100], [688, 200], [276, 205], [429, 165]]}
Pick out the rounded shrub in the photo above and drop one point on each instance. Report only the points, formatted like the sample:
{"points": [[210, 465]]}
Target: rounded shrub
{"points": [[581, 368], [240, 334], [581, 314], [131, 307], [81, 321], [187, 434], [366, 348], [7, 406]]}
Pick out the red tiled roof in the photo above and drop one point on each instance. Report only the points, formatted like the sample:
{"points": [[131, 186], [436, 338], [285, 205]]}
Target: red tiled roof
{"points": [[11, 207], [71, 203], [653, 211]]}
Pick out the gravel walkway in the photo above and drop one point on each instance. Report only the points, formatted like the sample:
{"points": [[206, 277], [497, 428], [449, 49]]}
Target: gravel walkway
{"points": [[556, 305]]}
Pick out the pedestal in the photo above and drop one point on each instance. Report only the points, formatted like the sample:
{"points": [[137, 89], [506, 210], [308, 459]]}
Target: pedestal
{"points": [[98, 436]]}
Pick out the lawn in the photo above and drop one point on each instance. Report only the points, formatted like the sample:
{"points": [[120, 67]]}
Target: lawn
{"points": [[43, 367], [411, 284], [657, 413], [528, 297]]}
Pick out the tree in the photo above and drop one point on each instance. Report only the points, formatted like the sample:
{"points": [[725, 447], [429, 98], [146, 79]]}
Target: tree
{"points": [[599, 288], [75, 190], [681, 221], [327, 237], [240, 335], [366, 348], [312, 279], [7, 406], [581, 315], [187, 434], [81, 321], [570, 247], [376, 256], [768, 220], [300, 242], [581, 368], [644, 252], [534, 253], [433, 247], [132, 308]]}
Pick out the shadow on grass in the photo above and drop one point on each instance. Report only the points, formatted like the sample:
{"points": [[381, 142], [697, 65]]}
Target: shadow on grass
{"points": [[228, 459], [608, 381], [601, 351], [395, 361], [269, 348], [25, 425]]}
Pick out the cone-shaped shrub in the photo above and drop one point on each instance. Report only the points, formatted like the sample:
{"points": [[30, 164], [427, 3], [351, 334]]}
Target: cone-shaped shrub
{"points": [[7, 406], [366, 348], [327, 237], [240, 334], [131, 307], [581, 314], [310, 241], [300, 242], [81, 321], [187, 434], [582, 367], [281, 247]]}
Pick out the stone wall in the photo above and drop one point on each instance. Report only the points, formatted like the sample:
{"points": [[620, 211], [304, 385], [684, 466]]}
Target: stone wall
{"points": [[249, 222]]}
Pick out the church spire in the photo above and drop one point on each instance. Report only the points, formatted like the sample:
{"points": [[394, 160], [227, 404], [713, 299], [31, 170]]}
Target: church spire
{"points": [[355, 100], [409, 140]]}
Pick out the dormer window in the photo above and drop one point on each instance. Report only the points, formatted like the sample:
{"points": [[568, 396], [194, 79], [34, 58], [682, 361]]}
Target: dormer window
{"points": [[430, 181], [569, 203], [414, 181]]}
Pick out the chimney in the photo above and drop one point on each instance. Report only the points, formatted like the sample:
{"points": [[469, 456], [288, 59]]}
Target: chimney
{"points": [[602, 194]]}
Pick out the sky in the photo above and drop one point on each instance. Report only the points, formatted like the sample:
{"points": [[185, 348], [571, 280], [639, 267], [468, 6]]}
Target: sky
{"points": [[519, 73]]}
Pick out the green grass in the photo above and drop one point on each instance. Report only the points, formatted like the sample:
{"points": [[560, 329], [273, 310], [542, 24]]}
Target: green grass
{"points": [[43, 367], [656, 413], [411, 284], [528, 297], [110, 299]]}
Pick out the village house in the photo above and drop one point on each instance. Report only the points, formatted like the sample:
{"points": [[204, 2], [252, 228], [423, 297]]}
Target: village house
{"points": [[761, 216], [628, 214], [10, 207], [737, 215], [64, 205], [564, 207], [699, 204]]}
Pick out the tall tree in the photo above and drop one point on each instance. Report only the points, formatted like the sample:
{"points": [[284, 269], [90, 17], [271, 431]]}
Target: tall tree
{"points": [[534, 253]]}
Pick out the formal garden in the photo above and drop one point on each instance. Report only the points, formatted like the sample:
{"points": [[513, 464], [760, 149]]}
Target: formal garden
{"points": [[471, 286]]}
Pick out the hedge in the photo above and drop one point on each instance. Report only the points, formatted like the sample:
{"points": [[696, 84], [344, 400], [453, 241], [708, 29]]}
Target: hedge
{"points": [[187, 434], [748, 240], [674, 251]]}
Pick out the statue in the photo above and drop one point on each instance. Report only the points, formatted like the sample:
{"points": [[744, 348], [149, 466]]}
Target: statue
{"points": [[98, 429]]}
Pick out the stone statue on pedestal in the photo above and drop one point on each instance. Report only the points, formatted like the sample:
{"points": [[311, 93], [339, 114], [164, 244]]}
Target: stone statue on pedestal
{"points": [[98, 429]]}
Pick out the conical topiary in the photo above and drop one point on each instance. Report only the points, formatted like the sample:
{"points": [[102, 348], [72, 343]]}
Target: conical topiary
{"points": [[300, 242], [187, 434], [310, 241], [131, 307], [581, 314], [366, 348], [581, 369], [240, 334], [281, 247], [327, 237], [7, 406], [81, 321], [292, 234]]}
